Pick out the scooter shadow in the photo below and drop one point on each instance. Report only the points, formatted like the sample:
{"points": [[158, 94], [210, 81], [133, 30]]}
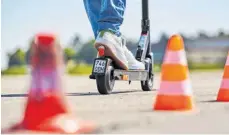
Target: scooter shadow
{"points": [[96, 93], [71, 94]]}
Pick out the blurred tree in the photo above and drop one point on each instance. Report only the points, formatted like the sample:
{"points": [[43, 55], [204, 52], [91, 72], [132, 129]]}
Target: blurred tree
{"points": [[69, 54], [164, 38], [87, 53], [202, 34], [27, 54], [76, 42], [131, 45], [159, 47], [17, 58], [221, 33], [183, 36]]}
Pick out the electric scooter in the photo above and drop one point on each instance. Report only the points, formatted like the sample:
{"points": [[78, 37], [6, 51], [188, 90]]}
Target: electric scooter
{"points": [[105, 71]]}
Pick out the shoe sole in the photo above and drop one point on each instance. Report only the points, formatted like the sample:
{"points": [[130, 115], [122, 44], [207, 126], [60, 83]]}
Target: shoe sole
{"points": [[108, 52]]}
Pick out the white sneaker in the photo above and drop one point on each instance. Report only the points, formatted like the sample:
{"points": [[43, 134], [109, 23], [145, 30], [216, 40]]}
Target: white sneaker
{"points": [[113, 47], [133, 64]]}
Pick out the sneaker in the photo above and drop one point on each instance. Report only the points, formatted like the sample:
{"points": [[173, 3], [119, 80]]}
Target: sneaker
{"points": [[133, 64], [113, 47]]}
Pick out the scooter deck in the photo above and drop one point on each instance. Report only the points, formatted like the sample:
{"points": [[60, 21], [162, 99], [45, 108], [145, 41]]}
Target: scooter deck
{"points": [[128, 75]]}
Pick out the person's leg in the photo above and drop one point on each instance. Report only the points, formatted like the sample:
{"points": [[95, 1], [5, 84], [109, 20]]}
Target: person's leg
{"points": [[105, 14], [93, 8], [106, 17], [111, 15], [109, 22]]}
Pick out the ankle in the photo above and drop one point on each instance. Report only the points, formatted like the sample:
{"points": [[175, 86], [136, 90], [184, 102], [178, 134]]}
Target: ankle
{"points": [[110, 31]]}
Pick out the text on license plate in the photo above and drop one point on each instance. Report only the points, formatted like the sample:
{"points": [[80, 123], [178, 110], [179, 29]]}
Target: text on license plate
{"points": [[100, 66]]}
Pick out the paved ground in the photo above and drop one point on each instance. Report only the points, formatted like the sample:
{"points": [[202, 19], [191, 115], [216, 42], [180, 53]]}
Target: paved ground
{"points": [[128, 109]]}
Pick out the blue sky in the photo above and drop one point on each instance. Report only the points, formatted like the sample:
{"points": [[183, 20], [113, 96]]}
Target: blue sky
{"points": [[20, 19]]}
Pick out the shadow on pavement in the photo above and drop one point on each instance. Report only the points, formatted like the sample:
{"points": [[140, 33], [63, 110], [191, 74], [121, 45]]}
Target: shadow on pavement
{"points": [[96, 93], [72, 94], [14, 95], [207, 101]]}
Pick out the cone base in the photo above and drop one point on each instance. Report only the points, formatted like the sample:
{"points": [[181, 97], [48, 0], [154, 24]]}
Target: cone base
{"points": [[53, 128], [49, 114], [39, 110], [173, 102], [223, 95]]}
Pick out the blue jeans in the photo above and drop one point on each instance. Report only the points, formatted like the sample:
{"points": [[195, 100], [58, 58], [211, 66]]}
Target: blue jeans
{"points": [[105, 15]]}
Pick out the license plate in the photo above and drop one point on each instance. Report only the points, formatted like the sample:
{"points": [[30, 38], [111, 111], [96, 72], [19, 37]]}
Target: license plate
{"points": [[100, 66]]}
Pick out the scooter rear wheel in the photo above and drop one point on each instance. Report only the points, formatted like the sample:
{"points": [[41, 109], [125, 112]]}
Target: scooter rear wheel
{"points": [[105, 83]]}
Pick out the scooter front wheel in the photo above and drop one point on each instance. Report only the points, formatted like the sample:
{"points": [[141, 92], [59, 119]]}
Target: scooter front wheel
{"points": [[147, 85]]}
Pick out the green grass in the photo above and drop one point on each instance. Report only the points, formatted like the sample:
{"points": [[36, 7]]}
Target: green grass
{"points": [[156, 68], [15, 70], [197, 67], [81, 69], [205, 67], [85, 69]]}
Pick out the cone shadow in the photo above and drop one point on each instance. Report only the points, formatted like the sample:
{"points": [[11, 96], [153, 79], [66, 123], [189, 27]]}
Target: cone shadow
{"points": [[209, 101], [166, 111]]}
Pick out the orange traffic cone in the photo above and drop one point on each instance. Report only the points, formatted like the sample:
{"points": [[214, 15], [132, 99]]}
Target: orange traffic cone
{"points": [[175, 88], [223, 94], [46, 110]]}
